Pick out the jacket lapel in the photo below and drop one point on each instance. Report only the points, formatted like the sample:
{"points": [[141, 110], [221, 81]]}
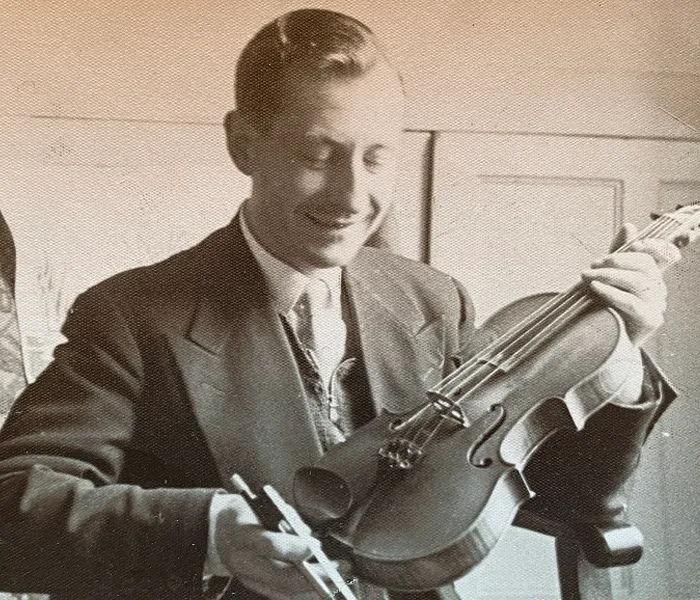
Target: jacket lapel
{"points": [[241, 374], [403, 353], [243, 379]]}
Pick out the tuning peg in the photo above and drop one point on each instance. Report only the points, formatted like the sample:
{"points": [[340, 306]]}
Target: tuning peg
{"points": [[681, 241]]}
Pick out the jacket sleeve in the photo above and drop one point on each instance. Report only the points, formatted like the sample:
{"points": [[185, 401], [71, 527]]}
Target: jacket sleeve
{"points": [[68, 525], [580, 476]]}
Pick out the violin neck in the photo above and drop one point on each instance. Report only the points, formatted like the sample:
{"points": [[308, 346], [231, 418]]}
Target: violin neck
{"points": [[678, 227], [519, 342]]}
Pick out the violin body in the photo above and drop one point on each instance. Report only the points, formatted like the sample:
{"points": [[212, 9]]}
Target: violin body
{"points": [[416, 500], [419, 526]]}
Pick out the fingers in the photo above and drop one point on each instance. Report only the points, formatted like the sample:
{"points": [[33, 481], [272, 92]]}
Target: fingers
{"points": [[640, 283], [636, 261], [631, 281], [625, 234], [634, 272], [645, 255], [345, 569], [638, 271], [272, 579], [238, 529], [663, 252], [272, 545], [267, 562], [264, 561], [642, 317]]}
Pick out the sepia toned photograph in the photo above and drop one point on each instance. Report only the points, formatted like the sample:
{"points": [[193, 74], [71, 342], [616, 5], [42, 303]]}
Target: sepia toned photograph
{"points": [[349, 300]]}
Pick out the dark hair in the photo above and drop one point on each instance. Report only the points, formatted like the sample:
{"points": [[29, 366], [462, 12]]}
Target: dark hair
{"points": [[307, 39]]}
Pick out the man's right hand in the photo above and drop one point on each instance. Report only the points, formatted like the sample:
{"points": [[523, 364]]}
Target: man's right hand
{"points": [[264, 561]]}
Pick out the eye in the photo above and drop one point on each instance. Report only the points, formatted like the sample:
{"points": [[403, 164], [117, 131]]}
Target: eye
{"points": [[378, 158], [315, 153]]}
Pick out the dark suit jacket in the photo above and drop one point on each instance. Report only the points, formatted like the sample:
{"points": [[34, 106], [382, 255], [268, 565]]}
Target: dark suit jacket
{"points": [[174, 377]]}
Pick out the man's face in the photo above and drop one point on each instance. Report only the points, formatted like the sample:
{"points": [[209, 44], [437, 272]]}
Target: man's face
{"points": [[324, 172]]}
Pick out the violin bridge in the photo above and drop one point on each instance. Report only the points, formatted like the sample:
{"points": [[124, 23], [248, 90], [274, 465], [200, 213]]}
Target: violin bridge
{"points": [[448, 409]]}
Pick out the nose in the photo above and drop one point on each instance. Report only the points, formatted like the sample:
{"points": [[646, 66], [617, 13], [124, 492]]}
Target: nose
{"points": [[351, 195]]}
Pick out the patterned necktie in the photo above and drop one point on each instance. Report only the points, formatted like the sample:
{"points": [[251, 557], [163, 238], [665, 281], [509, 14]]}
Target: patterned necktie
{"points": [[320, 327]]}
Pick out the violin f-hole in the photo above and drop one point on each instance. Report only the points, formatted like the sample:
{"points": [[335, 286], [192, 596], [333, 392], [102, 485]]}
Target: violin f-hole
{"points": [[494, 419]]}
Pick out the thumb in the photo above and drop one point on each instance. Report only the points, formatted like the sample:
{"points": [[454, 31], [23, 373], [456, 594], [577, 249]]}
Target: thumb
{"points": [[625, 234]]}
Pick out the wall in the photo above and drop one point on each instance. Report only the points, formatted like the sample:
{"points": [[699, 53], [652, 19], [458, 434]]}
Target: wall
{"points": [[612, 67]]}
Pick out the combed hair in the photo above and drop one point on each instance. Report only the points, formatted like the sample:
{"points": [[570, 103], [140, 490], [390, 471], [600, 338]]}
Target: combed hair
{"points": [[308, 39]]}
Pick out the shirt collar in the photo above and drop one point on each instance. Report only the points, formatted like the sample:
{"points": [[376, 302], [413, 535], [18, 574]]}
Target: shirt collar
{"points": [[284, 282]]}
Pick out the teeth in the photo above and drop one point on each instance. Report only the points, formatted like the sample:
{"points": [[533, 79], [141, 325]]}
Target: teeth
{"points": [[332, 224]]}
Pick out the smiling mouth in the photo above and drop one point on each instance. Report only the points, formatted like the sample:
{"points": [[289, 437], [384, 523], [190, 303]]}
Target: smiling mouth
{"points": [[332, 223]]}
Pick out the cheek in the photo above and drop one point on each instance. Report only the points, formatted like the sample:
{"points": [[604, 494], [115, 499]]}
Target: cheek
{"points": [[288, 185], [308, 183], [383, 190]]}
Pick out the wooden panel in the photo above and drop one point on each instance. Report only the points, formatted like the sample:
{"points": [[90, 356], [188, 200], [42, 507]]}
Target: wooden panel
{"points": [[405, 229], [677, 349], [518, 214], [510, 222], [86, 199]]}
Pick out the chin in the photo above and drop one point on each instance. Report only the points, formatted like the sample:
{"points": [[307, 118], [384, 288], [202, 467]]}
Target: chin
{"points": [[330, 258]]}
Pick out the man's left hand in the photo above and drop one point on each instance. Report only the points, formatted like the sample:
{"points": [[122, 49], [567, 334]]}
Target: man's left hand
{"points": [[631, 282]]}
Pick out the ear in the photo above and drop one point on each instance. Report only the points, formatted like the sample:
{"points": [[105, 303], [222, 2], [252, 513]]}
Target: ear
{"points": [[240, 135]]}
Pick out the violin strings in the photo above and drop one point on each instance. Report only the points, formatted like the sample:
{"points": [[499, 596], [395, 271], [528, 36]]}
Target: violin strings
{"points": [[579, 297], [548, 319], [483, 370], [428, 429], [488, 357]]}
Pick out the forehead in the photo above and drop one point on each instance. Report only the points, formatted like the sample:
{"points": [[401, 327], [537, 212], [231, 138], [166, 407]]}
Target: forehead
{"points": [[367, 105]]}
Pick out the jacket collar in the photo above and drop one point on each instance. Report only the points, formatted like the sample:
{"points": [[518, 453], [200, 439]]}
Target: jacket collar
{"points": [[401, 349], [241, 370]]}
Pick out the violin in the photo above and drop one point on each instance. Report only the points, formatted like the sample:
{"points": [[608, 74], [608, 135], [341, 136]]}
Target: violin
{"points": [[417, 500]]}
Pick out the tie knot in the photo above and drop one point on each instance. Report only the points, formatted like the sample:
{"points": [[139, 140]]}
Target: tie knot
{"points": [[318, 322], [318, 295]]}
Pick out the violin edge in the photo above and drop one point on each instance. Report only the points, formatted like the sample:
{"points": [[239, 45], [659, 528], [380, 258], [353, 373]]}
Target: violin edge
{"points": [[445, 565]]}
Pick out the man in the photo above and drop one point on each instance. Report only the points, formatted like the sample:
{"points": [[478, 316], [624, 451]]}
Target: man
{"points": [[178, 375]]}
